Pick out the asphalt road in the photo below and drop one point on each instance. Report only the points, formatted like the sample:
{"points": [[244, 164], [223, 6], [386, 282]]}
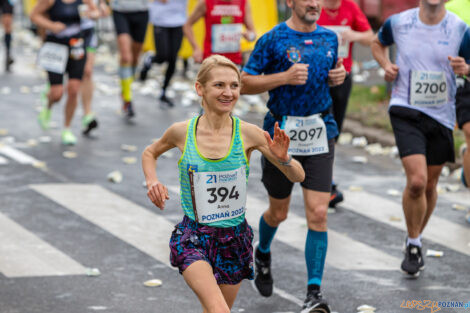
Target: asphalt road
{"points": [[58, 221]]}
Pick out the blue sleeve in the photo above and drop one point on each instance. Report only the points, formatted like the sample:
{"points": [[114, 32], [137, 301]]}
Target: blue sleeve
{"points": [[336, 52], [385, 33], [464, 50], [260, 57]]}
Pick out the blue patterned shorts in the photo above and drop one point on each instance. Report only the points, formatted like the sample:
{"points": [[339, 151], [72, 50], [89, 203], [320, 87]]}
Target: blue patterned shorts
{"points": [[228, 250]]}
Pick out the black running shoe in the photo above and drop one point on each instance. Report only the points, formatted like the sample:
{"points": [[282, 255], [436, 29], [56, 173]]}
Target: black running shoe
{"points": [[421, 264], [413, 260], [263, 278], [128, 110], [8, 62], [164, 99], [336, 196], [314, 303]]}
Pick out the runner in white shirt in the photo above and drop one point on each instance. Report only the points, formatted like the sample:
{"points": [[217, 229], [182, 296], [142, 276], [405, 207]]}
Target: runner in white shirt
{"points": [[422, 107]]}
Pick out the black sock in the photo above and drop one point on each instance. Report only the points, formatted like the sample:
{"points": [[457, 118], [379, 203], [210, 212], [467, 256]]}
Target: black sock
{"points": [[313, 287], [262, 256], [8, 43]]}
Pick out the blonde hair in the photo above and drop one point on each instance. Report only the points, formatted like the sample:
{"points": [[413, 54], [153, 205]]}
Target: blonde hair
{"points": [[212, 62]]}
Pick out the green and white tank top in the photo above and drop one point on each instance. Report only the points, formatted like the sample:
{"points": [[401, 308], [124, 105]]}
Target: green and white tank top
{"points": [[214, 189]]}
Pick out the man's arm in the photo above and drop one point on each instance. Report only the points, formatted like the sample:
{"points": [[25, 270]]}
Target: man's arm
{"points": [[297, 74], [199, 11]]}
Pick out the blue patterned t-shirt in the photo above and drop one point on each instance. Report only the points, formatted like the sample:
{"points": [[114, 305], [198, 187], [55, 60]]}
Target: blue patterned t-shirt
{"points": [[276, 51]]}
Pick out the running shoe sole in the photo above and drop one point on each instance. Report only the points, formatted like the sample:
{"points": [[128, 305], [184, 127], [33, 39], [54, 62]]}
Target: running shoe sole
{"points": [[319, 308], [93, 124]]}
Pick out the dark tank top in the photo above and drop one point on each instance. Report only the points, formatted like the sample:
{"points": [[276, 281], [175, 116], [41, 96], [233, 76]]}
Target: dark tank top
{"points": [[66, 13]]}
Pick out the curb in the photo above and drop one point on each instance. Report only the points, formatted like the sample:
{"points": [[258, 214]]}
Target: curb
{"points": [[373, 135]]}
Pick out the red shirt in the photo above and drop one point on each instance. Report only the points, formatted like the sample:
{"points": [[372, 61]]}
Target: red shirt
{"points": [[348, 14], [224, 20]]}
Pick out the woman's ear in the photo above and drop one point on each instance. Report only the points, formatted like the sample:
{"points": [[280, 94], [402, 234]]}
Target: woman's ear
{"points": [[199, 89]]}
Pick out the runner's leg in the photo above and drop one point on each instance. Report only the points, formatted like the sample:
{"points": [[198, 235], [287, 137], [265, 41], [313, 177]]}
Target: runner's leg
{"points": [[200, 278], [433, 173]]}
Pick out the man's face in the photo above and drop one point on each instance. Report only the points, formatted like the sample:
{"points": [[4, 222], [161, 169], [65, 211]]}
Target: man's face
{"points": [[433, 2], [308, 11]]}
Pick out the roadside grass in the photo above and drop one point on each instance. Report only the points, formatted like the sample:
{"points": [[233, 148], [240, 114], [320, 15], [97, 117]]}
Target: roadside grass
{"points": [[369, 105]]}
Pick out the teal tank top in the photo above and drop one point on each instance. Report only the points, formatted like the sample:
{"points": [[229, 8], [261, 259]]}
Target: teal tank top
{"points": [[235, 162]]}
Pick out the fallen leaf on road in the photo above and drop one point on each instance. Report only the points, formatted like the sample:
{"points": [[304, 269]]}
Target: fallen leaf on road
{"points": [[39, 164], [355, 188], [3, 132], [434, 253], [32, 142], [395, 219], [458, 207], [345, 138], [129, 160], [359, 142], [366, 307], [129, 148], [393, 192], [69, 154], [92, 272], [360, 159], [153, 283], [115, 177]]}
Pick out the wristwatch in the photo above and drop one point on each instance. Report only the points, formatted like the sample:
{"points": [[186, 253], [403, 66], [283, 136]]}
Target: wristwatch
{"points": [[286, 162]]}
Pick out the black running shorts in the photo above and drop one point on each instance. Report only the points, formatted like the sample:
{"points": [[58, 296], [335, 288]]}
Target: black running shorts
{"points": [[462, 103], [6, 7], [132, 23], [74, 68], [318, 174], [417, 133]]}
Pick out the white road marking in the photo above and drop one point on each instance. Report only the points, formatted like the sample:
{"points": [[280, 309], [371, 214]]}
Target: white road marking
{"points": [[3, 161], [126, 220], [23, 254], [439, 230], [17, 155]]}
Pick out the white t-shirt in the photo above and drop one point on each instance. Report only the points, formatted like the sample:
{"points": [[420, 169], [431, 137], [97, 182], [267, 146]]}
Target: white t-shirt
{"points": [[426, 81], [169, 14]]}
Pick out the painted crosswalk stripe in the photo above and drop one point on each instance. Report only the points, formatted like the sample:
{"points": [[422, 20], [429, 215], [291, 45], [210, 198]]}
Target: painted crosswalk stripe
{"points": [[3, 161], [17, 155], [23, 254], [293, 232], [126, 220], [438, 230]]}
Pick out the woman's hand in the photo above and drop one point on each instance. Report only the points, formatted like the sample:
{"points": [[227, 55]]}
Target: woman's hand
{"points": [[157, 193], [279, 145]]}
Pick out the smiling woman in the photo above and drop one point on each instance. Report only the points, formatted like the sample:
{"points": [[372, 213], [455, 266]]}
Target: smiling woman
{"points": [[212, 245]]}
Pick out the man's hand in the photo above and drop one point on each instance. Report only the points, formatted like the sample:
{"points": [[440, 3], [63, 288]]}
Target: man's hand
{"points": [[157, 193], [391, 72], [197, 55], [337, 75], [297, 74], [459, 65]]}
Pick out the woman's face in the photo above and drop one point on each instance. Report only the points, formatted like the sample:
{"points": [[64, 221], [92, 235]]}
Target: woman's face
{"points": [[220, 93]]}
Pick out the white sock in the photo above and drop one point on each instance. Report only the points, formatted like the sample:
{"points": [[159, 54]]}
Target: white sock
{"points": [[414, 241]]}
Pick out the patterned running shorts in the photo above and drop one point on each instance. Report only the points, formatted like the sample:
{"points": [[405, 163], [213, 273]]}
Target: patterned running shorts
{"points": [[228, 250]]}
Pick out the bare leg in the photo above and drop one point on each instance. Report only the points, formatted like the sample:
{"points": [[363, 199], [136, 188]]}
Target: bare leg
{"points": [[434, 171], [73, 87], [201, 280], [87, 86], [414, 197]]}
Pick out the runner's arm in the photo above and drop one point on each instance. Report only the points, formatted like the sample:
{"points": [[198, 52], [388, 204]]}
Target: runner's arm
{"points": [[173, 137], [250, 33], [38, 16], [199, 11], [380, 53], [364, 38], [275, 150]]}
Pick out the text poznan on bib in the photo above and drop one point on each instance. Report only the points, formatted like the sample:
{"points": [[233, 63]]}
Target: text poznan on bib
{"points": [[220, 195], [428, 88], [307, 135]]}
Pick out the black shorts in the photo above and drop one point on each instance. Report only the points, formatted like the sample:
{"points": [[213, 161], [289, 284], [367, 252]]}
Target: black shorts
{"points": [[318, 174], [74, 68], [462, 103], [91, 40], [417, 133], [132, 23], [6, 7]]}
